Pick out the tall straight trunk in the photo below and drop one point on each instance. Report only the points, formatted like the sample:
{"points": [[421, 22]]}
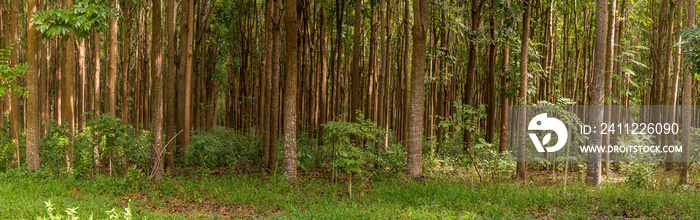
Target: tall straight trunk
{"points": [[415, 122], [355, 83], [491, 78], [323, 56], [668, 61], [471, 65], [33, 126], [290, 94], [595, 112], [267, 102], [275, 86], [185, 90], [68, 85], [126, 64], [609, 61], [95, 102], [111, 98], [14, 60], [385, 69], [81, 84], [671, 102], [521, 167], [157, 91], [686, 108], [503, 138], [170, 84]]}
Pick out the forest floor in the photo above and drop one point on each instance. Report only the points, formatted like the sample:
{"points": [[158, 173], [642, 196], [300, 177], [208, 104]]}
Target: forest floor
{"points": [[23, 196]]}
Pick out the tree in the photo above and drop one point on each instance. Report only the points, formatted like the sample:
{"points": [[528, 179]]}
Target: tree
{"points": [[111, 90], [415, 122], [157, 91], [33, 117], [185, 75], [355, 82], [14, 60], [170, 84], [68, 99], [686, 106], [521, 167], [595, 114], [290, 94]]}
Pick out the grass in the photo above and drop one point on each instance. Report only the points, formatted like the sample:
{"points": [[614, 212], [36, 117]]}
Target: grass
{"points": [[22, 196]]}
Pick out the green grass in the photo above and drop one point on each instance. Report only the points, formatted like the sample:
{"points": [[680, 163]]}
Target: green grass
{"points": [[22, 196]]}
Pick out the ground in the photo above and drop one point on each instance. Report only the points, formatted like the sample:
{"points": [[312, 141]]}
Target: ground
{"points": [[23, 196]]}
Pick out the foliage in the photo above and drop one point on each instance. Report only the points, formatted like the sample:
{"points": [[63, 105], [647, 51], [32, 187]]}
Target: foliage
{"points": [[358, 146], [691, 46], [224, 147], [640, 174], [72, 213], [10, 75], [81, 18], [119, 147]]}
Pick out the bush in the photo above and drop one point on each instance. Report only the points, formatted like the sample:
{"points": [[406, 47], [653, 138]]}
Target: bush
{"points": [[119, 147], [224, 147]]}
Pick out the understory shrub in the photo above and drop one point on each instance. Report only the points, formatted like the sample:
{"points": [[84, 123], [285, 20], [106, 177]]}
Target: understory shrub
{"points": [[103, 144], [225, 147]]}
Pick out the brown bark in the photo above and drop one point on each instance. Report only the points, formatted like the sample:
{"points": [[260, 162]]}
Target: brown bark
{"points": [[68, 85], [14, 60], [170, 84], [157, 92], [686, 107], [609, 60], [521, 167], [33, 126], [355, 82], [290, 94], [185, 89], [415, 121], [595, 113], [111, 97]]}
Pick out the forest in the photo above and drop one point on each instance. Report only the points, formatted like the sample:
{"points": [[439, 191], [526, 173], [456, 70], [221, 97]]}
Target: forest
{"points": [[349, 109]]}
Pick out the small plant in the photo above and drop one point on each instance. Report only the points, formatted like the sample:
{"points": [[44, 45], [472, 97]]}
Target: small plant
{"points": [[72, 213], [640, 174]]}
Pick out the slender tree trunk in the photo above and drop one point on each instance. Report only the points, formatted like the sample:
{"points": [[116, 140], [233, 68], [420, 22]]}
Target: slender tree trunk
{"points": [[686, 107], [157, 91], [185, 91], [521, 167], [491, 78], [356, 96], [415, 126], [170, 84], [323, 54], [68, 85], [609, 61], [111, 98], [14, 60], [276, 52], [33, 126], [595, 113], [290, 114]]}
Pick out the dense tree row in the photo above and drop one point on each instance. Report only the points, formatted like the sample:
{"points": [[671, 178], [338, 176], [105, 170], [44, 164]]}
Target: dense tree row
{"points": [[277, 68]]}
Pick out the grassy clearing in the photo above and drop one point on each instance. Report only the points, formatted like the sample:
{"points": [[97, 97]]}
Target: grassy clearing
{"points": [[22, 195]]}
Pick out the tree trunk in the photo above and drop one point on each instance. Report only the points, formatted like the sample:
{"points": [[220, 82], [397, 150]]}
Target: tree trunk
{"points": [[290, 93], [157, 91], [33, 126], [521, 167], [111, 98], [14, 60], [185, 90], [595, 113], [68, 85], [686, 108], [415, 139], [609, 60], [356, 96], [170, 84]]}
